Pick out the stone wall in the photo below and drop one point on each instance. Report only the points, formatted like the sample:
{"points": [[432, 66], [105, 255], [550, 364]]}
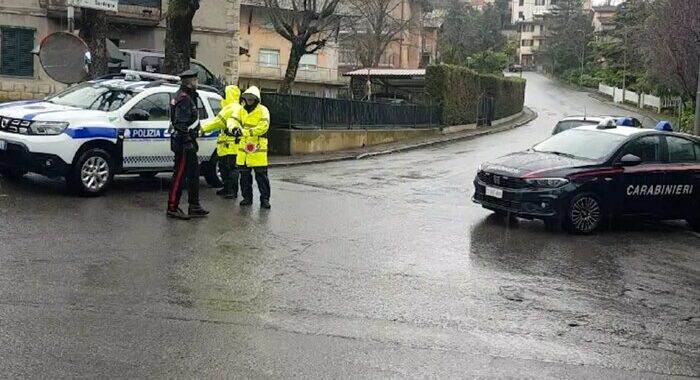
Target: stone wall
{"points": [[24, 89]]}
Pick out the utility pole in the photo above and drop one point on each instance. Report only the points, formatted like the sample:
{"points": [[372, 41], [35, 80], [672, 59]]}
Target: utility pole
{"points": [[70, 9], [697, 107]]}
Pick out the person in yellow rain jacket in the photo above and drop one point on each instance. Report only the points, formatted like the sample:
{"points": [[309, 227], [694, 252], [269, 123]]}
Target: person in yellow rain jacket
{"points": [[252, 152], [229, 128]]}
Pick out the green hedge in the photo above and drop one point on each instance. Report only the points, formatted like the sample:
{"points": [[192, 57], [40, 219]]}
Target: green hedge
{"points": [[458, 90]]}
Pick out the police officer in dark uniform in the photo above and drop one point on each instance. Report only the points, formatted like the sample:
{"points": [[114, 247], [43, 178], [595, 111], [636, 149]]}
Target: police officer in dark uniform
{"points": [[185, 127]]}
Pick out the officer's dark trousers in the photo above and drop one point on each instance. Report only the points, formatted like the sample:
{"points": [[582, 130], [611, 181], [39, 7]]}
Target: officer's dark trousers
{"points": [[186, 173], [260, 177], [227, 165]]}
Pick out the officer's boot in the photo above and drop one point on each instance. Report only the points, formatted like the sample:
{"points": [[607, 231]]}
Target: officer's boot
{"points": [[196, 211], [264, 203], [177, 213]]}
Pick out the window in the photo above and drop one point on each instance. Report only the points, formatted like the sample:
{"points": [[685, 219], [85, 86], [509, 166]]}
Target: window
{"points": [[539, 2], [521, 3], [193, 50], [152, 64], [215, 105], [347, 56], [647, 148], [527, 43], [308, 62], [268, 57], [93, 96], [16, 58], [681, 150], [528, 28], [157, 106], [583, 144], [521, 15], [204, 76]]}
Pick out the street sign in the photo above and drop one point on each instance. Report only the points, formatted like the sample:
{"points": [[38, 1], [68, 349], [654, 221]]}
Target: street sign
{"points": [[105, 5]]}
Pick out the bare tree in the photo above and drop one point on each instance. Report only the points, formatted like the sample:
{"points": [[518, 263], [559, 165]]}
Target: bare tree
{"points": [[94, 31], [307, 24], [673, 48], [178, 35], [378, 24]]}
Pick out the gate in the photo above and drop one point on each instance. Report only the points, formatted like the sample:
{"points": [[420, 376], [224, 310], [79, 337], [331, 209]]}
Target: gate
{"points": [[486, 111]]}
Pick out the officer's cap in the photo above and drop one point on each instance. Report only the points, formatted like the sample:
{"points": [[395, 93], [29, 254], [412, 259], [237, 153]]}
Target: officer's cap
{"points": [[187, 74]]}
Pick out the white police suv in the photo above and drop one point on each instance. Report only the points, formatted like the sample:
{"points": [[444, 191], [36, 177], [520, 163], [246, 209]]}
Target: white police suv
{"points": [[96, 129]]}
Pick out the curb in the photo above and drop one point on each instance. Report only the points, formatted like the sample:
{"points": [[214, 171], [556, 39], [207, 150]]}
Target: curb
{"points": [[530, 116]]}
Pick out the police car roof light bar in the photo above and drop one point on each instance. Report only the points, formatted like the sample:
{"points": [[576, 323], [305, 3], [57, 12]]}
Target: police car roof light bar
{"points": [[145, 75]]}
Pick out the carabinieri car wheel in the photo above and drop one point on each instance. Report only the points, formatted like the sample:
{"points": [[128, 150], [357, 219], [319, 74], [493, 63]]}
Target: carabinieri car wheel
{"points": [[585, 214]]}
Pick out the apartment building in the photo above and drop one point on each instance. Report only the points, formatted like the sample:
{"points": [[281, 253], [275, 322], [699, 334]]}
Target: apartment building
{"points": [[265, 64], [415, 47], [529, 15], [138, 24], [603, 19]]}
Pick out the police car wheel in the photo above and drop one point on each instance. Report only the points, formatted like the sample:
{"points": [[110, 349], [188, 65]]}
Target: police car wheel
{"points": [[8, 173], [212, 173], [584, 214], [92, 173]]}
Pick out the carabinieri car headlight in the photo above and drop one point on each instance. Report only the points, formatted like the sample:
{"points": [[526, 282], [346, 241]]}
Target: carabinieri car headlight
{"points": [[547, 182], [48, 127]]}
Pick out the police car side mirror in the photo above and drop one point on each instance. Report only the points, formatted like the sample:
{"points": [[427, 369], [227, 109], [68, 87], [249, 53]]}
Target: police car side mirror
{"points": [[137, 115], [630, 160]]}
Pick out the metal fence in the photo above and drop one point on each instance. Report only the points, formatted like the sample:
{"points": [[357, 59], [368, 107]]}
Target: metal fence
{"points": [[305, 112]]}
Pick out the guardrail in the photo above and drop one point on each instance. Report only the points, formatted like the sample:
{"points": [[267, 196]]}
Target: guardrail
{"points": [[641, 100]]}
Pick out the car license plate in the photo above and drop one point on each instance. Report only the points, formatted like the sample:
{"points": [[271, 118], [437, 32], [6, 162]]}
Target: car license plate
{"points": [[3, 145], [496, 193]]}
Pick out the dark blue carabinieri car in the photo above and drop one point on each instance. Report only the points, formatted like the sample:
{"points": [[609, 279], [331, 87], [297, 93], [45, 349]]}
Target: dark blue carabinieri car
{"points": [[583, 176]]}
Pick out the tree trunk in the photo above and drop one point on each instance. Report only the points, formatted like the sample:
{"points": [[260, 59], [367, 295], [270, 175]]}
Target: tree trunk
{"points": [[94, 32], [233, 46], [178, 35], [295, 54]]}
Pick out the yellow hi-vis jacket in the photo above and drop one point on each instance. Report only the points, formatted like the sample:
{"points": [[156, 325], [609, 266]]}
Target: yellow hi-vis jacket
{"points": [[226, 122], [252, 150]]}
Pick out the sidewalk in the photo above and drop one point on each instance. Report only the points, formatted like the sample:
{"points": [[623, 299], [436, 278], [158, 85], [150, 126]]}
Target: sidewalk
{"points": [[356, 154]]}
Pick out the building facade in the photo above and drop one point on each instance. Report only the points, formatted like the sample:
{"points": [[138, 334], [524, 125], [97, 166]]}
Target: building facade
{"points": [[529, 15], [140, 24], [603, 19], [414, 47], [265, 64]]}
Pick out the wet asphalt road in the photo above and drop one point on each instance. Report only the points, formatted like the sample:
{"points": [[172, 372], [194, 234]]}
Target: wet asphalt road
{"points": [[379, 268]]}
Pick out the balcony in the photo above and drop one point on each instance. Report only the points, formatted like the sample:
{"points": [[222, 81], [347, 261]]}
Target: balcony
{"points": [[310, 74], [138, 12]]}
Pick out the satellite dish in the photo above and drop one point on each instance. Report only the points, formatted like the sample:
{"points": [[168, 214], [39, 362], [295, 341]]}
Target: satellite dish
{"points": [[65, 57]]}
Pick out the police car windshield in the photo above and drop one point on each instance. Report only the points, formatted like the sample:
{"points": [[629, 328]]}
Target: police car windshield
{"points": [[576, 143], [93, 96]]}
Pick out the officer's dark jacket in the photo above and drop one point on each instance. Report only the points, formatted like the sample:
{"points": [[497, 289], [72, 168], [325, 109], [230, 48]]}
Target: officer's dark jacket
{"points": [[184, 117]]}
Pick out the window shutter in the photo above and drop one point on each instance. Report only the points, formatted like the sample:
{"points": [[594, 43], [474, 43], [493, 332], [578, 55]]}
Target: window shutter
{"points": [[25, 57], [9, 51], [16, 58]]}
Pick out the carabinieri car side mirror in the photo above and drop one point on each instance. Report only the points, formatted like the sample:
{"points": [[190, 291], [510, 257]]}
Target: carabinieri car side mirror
{"points": [[137, 115], [630, 160]]}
